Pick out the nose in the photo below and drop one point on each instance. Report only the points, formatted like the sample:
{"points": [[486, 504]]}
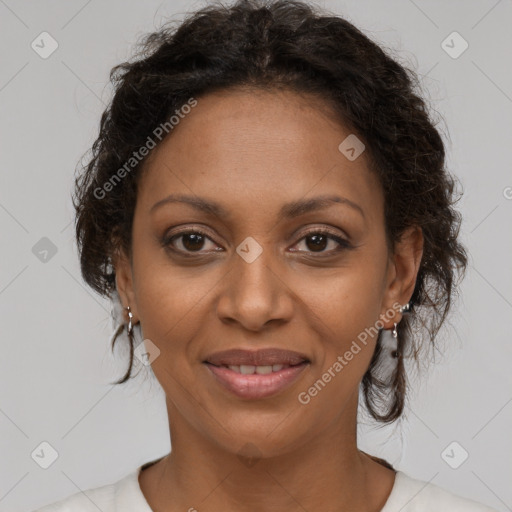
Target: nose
{"points": [[255, 294]]}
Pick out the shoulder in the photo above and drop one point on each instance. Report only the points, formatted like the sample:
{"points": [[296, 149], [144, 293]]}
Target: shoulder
{"points": [[123, 494], [102, 498], [412, 495]]}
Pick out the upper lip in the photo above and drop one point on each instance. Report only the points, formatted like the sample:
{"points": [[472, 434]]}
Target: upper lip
{"points": [[262, 357]]}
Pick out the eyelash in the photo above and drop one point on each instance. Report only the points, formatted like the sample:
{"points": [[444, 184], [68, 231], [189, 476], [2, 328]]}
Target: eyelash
{"points": [[343, 244]]}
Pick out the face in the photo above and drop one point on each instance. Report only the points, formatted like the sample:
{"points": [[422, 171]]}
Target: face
{"points": [[260, 269]]}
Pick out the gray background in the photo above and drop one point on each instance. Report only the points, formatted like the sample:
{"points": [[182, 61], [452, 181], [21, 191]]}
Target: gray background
{"points": [[56, 365]]}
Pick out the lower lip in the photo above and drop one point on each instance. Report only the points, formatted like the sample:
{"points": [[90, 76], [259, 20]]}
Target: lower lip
{"points": [[256, 386]]}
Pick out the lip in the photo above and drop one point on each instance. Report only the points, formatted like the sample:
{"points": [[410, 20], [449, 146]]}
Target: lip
{"points": [[255, 386], [261, 357]]}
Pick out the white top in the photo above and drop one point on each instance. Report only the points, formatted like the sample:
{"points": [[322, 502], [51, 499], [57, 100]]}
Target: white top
{"points": [[407, 495]]}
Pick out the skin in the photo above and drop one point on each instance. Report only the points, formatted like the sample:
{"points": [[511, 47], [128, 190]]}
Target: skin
{"points": [[252, 152]]}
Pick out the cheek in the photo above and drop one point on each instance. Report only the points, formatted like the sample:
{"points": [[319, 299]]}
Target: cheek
{"points": [[168, 307], [346, 313], [165, 292], [344, 310], [174, 305], [346, 303]]}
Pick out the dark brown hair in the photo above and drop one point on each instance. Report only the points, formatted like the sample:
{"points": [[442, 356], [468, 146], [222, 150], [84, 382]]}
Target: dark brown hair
{"points": [[288, 45]]}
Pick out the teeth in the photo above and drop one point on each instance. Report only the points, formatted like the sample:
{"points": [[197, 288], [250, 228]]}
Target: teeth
{"points": [[263, 370], [246, 369]]}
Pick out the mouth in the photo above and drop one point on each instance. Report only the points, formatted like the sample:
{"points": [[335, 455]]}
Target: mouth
{"points": [[247, 369], [264, 360], [253, 375]]}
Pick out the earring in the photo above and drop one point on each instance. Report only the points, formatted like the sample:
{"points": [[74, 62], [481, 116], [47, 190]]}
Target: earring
{"points": [[405, 308], [394, 333], [130, 316]]}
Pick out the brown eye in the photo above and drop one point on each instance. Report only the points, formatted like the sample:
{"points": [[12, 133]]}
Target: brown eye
{"points": [[187, 241], [318, 241], [192, 241]]}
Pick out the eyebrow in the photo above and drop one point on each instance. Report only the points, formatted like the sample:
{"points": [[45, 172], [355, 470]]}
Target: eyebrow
{"points": [[287, 211]]}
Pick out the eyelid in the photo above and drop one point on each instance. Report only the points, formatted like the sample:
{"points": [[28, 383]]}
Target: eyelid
{"points": [[168, 239], [341, 240], [324, 230]]}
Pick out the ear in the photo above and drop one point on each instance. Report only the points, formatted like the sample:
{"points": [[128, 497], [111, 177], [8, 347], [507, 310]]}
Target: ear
{"points": [[124, 283], [402, 273]]}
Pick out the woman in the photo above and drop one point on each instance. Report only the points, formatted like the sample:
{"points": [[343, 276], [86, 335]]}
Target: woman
{"points": [[267, 202]]}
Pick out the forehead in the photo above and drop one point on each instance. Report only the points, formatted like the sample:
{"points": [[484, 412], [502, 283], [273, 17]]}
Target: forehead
{"points": [[241, 145]]}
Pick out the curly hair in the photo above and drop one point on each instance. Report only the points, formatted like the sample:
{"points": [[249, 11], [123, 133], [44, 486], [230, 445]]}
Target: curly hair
{"points": [[295, 46]]}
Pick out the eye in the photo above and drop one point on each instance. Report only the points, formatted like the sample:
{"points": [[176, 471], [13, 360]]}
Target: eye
{"points": [[316, 241], [191, 241], [194, 241]]}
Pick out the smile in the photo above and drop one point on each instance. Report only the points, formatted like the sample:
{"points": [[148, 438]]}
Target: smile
{"points": [[255, 382]]}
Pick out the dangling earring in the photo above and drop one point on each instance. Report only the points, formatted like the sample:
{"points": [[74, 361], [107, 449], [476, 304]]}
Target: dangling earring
{"points": [[130, 316], [406, 308], [394, 332]]}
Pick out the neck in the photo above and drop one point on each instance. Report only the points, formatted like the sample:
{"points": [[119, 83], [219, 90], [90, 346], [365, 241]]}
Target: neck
{"points": [[328, 472]]}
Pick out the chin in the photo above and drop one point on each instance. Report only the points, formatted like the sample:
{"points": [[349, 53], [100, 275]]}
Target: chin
{"points": [[263, 439]]}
